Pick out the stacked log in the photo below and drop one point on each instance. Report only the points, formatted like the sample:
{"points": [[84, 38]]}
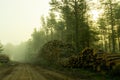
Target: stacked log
{"points": [[91, 59], [64, 54], [83, 60], [111, 60], [55, 50], [88, 57]]}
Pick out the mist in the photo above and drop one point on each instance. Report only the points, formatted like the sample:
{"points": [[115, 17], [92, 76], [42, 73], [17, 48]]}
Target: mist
{"points": [[16, 52]]}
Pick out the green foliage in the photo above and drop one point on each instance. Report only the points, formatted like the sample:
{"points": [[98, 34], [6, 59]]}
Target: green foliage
{"points": [[117, 11], [51, 24], [1, 48], [34, 44], [38, 39], [111, 19], [73, 14]]}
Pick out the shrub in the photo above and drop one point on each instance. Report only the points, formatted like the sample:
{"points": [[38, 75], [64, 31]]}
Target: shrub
{"points": [[115, 72]]}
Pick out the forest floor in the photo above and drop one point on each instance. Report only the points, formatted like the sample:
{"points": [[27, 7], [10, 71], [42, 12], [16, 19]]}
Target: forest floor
{"points": [[32, 72]]}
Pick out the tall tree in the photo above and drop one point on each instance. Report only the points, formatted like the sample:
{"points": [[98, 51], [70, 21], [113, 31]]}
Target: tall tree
{"points": [[74, 14], [104, 33], [59, 30], [51, 23], [38, 39], [110, 15], [117, 19], [45, 28]]}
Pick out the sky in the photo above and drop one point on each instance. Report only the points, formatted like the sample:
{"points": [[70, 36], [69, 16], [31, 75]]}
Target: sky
{"points": [[18, 18]]}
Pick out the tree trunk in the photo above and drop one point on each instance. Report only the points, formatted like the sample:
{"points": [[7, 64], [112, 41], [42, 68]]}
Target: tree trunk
{"points": [[112, 27], [76, 26]]}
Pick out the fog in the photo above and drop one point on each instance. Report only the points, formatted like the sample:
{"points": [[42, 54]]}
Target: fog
{"points": [[15, 52], [27, 51], [18, 18]]}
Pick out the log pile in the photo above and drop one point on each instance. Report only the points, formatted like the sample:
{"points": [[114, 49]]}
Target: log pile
{"points": [[64, 54], [54, 50], [90, 59]]}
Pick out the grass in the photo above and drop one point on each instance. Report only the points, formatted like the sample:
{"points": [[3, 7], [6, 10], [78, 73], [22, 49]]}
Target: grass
{"points": [[79, 73], [85, 74]]}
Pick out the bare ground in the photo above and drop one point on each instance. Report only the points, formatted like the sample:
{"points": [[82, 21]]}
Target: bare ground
{"points": [[28, 72]]}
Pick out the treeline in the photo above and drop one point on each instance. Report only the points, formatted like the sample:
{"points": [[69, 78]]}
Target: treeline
{"points": [[71, 22]]}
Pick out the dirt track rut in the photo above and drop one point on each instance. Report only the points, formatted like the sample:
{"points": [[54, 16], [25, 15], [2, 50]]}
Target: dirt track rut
{"points": [[24, 72], [30, 72]]}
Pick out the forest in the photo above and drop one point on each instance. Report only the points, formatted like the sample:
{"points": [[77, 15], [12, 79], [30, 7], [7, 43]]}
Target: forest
{"points": [[71, 36]]}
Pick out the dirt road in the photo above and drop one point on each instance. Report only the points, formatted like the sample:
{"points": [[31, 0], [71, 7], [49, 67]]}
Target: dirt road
{"points": [[28, 72]]}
